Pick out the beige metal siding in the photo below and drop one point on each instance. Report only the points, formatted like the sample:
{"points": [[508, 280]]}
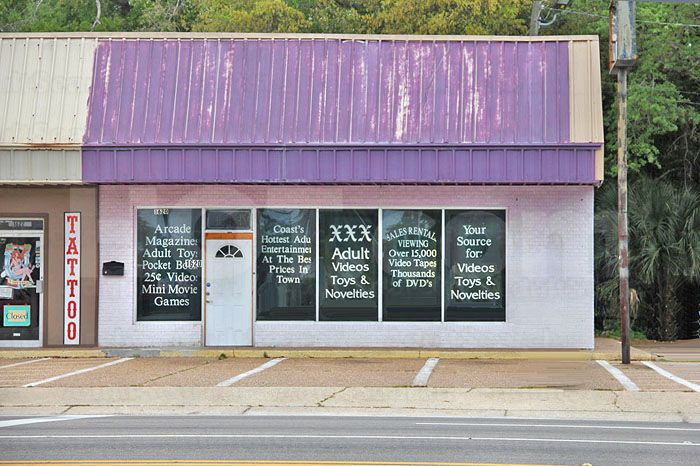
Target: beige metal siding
{"points": [[44, 91], [40, 166], [585, 99]]}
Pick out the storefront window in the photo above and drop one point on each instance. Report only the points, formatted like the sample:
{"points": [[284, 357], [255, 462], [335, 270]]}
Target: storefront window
{"points": [[286, 264], [169, 264], [228, 219], [414, 286], [348, 287], [475, 270], [411, 265]]}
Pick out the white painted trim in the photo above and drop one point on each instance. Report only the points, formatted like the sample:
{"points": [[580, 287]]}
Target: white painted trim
{"points": [[380, 264], [78, 372], [693, 386], [619, 376], [443, 289], [267, 365], [317, 270]]}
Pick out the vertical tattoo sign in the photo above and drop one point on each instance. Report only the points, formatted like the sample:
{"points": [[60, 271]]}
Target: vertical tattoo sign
{"points": [[71, 290]]}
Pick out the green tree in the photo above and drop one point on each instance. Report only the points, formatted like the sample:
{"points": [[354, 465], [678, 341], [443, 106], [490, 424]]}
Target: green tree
{"points": [[163, 15], [663, 89], [250, 16], [664, 224], [62, 15], [450, 17], [337, 16]]}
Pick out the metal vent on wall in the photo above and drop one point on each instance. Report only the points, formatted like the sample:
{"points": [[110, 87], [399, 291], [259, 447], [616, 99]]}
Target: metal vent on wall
{"points": [[229, 251]]}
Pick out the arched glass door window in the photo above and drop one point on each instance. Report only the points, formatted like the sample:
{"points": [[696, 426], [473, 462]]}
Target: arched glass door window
{"points": [[229, 251]]}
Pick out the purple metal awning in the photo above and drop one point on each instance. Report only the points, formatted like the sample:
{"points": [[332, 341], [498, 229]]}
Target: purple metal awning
{"points": [[341, 165], [332, 110]]}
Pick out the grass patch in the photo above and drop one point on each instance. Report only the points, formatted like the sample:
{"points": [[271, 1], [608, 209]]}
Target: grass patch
{"points": [[615, 333]]}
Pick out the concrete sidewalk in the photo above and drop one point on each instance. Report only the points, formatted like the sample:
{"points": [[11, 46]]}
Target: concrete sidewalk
{"points": [[605, 348], [680, 350], [554, 404]]}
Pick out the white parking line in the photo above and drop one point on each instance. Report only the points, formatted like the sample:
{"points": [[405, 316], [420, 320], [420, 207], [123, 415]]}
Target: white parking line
{"points": [[261, 368], [693, 386], [23, 363], [563, 426], [423, 375], [38, 420], [81, 371], [617, 373], [347, 437]]}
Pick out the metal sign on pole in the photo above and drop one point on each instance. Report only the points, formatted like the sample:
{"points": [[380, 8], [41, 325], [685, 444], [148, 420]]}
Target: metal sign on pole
{"points": [[623, 55]]}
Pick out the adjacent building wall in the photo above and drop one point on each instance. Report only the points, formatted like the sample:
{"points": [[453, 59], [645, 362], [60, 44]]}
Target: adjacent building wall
{"points": [[51, 203], [43, 107], [549, 265]]}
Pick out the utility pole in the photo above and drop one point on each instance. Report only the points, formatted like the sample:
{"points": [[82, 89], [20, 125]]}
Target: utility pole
{"points": [[536, 22], [623, 55], [622, 225], [535, 18]]}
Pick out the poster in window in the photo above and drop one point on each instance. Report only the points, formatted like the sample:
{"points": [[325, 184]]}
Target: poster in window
{"points": [[19, 275], [411, 247], [348, 289], [475, 267], [169, 264], [286, 264]]}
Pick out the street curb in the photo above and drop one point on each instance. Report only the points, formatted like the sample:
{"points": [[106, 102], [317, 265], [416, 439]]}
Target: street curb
{"points": [[329, 353], [29, 353]]}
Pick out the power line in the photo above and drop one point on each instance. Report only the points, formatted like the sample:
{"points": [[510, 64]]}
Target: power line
{"points": [[595, 15]]}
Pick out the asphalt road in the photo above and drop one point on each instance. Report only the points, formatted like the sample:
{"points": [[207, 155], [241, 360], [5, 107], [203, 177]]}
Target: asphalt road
{"points": [[376, 439]]}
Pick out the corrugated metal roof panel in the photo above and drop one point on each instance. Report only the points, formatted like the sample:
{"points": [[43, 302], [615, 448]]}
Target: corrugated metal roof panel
{"points": [[43, 98], [585, 97], [331, 90], [40, 166]]}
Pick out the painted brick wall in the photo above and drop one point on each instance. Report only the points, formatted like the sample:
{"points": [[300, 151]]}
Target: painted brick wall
{"points": [[549, 265]]}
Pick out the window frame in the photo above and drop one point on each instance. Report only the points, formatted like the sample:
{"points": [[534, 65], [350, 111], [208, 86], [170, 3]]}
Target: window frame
{"points": [[380, 252], [135, 319], [254, 224]]}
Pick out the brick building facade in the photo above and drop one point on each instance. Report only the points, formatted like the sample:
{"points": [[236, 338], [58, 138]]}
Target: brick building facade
{"points": [[304, 190]]}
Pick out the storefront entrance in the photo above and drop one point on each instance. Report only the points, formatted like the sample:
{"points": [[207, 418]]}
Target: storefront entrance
{"points": [[229, 289], [21, 281]]}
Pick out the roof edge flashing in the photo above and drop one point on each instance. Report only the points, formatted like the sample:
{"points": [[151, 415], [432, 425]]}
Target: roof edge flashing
{"points": [[292, 36]]}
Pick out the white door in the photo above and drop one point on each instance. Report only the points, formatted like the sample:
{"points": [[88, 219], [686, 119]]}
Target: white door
{"points": [[229, 289]]}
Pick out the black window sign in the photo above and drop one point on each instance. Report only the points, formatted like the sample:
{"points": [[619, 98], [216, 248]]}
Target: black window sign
{"points": [[169, 264], [411, 269], [21, 224], [286, 264], [348, 265], [475, 269]]}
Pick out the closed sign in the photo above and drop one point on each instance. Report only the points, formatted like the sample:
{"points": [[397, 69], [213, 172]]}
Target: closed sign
{"points": [[16, 315]]}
